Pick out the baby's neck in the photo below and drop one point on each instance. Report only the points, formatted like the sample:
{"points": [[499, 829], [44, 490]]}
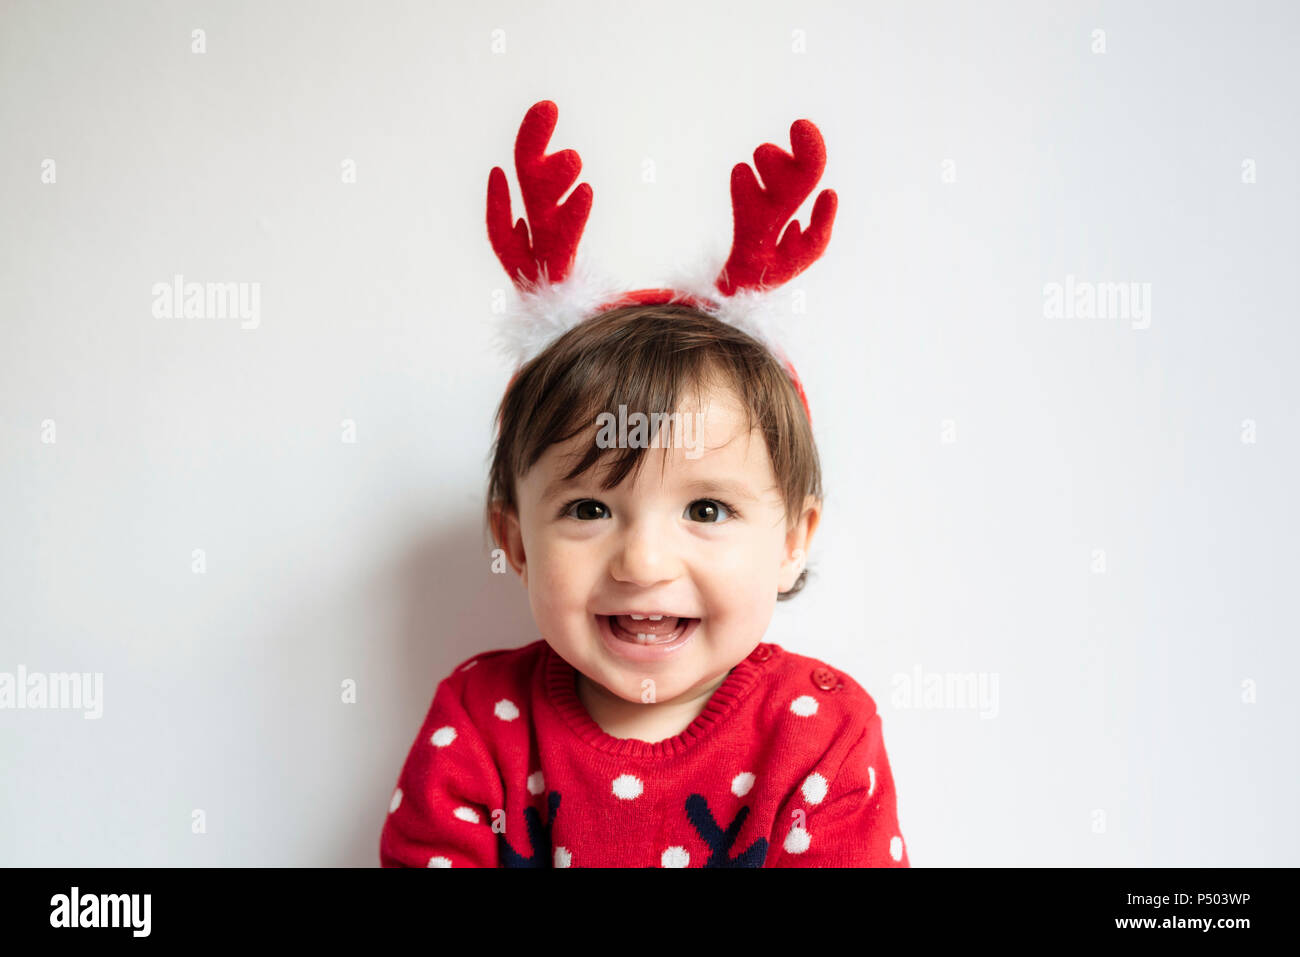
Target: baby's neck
{"points": [[642, 721]]}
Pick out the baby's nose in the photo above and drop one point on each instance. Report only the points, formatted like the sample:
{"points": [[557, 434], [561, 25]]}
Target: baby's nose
{"points": [[644, 559]]}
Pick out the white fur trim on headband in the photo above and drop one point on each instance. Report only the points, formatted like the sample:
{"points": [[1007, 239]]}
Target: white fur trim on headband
{"points": [[538, 316], [759, 312]]}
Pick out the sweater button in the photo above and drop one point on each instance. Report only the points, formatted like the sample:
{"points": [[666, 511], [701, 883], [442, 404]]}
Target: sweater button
{"points": [[826, 679], [762, 653]]}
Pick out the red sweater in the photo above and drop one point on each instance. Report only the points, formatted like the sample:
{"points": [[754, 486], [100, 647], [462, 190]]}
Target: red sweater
{"points": [[784, 767]]}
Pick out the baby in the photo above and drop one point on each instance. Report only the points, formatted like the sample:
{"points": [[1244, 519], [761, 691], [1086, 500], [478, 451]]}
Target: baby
{"points": [[656, 487]]}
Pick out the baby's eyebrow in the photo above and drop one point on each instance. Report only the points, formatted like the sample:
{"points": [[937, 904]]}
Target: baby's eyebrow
{"points": [[737, 490], [555, 487], [733, 490]]}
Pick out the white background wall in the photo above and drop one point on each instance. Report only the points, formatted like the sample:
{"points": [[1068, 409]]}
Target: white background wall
{"points": [[1119, 691]]}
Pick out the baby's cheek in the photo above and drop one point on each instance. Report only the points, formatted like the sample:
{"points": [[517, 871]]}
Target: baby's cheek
{"points": [[555, 584], [744, 585], [757, 562]]}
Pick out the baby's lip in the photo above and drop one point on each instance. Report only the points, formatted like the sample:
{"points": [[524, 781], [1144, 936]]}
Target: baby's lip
{"points": [[647, 614]]}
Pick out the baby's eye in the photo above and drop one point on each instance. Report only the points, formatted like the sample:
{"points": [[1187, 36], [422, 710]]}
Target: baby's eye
{"points": [[709, 511], [587, 509]]}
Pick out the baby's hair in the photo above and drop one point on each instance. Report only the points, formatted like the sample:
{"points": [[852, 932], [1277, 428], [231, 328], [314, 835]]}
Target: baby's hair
{"points": [[647, 358]]}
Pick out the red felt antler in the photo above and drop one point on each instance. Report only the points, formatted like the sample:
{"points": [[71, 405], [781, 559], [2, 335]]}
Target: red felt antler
{"points": [[544, 247], [757, 258]]}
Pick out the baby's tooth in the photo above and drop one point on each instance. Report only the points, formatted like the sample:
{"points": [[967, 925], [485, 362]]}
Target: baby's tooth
{"points": [[637, 617], [656, 617]]}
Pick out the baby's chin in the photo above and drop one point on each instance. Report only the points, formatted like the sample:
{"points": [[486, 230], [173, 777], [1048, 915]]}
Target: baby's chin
{"points": [[632, 688], [675, 680]]}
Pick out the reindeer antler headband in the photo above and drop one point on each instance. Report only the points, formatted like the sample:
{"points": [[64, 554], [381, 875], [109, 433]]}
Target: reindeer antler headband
{"points": [[540, 255]]}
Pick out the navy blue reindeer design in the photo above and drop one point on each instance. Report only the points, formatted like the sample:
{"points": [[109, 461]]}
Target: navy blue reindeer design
{"points": [[720, 841], [539, 837]]}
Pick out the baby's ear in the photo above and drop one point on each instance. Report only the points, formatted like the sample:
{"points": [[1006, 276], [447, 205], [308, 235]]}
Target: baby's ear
{"points": [[791, 568], [805, 526], [509, 538], [798, 540]]}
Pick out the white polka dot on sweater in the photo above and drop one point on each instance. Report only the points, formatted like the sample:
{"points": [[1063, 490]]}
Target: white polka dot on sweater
{"points": [[804, 705], [536, 783], [896, 847], [814, 788], [470, 665], [741, 784], [397, 800], [797, 841], [628, 786], [506, 710], [871, 774], [562, 857], [443, 736], [466, 814], [676, 857], [440, 861]]}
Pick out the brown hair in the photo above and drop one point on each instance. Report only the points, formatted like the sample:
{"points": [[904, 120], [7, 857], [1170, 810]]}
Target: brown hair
{"points": [[647, 357]]}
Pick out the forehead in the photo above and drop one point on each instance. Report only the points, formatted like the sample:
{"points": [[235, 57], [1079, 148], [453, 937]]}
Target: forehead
{"points": [[708, 446]]}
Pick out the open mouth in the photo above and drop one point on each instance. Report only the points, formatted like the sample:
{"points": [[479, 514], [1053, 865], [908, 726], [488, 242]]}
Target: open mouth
{"points": [[648, 629]]}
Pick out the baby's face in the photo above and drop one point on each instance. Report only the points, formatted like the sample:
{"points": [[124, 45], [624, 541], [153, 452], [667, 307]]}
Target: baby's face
{"points": [[702, 536]]}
